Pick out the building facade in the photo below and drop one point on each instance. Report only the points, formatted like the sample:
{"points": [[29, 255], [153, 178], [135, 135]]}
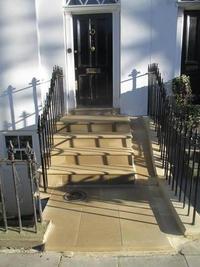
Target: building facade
{"points": [[104, 48]]}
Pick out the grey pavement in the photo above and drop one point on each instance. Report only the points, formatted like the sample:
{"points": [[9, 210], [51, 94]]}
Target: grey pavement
{"points": [[59, 260]]}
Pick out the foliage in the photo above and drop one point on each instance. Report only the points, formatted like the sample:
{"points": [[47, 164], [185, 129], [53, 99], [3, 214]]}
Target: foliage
{"points": [[194, 115], [182, 89]]}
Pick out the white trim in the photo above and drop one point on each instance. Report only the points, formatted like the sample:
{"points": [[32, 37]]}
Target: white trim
{"points": [[116, 59], [179, 41], [189, 5], [70, 66]]}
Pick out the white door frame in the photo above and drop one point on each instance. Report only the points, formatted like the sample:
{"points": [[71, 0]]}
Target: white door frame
{"points": [[70, 65]]}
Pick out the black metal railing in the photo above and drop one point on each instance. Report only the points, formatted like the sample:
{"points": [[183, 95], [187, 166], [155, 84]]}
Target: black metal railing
{"points": [[179, 140], [52, 111], [19, 192]]}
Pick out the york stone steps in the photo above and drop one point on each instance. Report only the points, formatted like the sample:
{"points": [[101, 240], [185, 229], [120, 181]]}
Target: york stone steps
{"points": [[60, 180], [92, 149], [61, 175], [95, 124], [92, 156], [109, 139]]}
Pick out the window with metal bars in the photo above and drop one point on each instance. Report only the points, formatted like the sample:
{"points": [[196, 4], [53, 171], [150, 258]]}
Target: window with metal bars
{"points": [[90, 2], [19, 143]]}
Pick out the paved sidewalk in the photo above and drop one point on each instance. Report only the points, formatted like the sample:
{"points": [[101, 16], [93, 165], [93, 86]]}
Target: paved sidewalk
{"points": [[58, 260]]}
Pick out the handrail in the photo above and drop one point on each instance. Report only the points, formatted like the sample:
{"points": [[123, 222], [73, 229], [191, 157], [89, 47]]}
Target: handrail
{"points": [[52, 111]]}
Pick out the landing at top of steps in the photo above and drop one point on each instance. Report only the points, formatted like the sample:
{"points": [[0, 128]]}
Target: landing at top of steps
{"points": [[95, 111], [88, 118]]}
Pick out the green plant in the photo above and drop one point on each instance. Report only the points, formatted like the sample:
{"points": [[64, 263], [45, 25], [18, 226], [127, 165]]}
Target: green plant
{"points": [[182, 89], [193, 115]]}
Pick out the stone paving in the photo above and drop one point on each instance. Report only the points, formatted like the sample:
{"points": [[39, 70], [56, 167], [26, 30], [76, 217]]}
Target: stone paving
{"points": [[58, 260], [132, 217]]}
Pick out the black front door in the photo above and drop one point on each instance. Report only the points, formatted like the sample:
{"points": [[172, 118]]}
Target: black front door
{"points": [[191, 51], [93, 59]]}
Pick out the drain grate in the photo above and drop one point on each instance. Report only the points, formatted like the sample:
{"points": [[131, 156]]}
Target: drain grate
{"points": [[75, 195]]}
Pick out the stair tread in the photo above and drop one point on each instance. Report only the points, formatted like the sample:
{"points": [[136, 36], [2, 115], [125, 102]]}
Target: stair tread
{"points": [[87, 169], [94, 135], [92, 151], [92, 118]]}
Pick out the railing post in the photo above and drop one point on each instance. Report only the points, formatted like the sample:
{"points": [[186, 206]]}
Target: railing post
{"points": [[197, 180], [11, 157], [52, 111], [42, 155], [29, 154], [178, 137], [3, 205]]}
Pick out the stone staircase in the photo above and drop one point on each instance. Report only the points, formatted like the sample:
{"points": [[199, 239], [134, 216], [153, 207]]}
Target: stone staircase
{"points": [[91, 149]]}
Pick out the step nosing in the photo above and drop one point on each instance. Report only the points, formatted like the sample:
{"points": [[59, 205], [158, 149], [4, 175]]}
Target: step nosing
{"points": [[88, 169], [90, 151], [92, 135], [96, 118]]}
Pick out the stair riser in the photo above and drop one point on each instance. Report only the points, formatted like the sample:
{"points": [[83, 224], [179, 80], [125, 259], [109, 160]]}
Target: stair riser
{"points": [[95, 128], [60, 180], [96, 112], [112, 160], [92, 142]]}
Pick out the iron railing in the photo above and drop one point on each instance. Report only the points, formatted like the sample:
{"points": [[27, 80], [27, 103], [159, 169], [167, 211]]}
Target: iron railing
{"points": [[179, 140], [19, 192], [52, 111]]}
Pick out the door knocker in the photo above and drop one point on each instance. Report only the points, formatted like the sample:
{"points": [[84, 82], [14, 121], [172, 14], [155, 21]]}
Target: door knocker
{"points": [[92, 32], [92, 48]]}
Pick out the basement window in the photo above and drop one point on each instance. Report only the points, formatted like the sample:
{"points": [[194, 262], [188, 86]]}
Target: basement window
{"points": [[19, 142], [90, 2]]}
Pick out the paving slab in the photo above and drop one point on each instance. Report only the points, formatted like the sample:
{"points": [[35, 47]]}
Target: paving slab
{"points": [[153, 261], [193, 261], [34, 260], [89, 262], [191, 248], [27, 238]]}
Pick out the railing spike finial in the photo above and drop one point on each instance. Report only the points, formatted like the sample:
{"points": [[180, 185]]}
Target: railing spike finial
{"points": [[28, 151], [11, 151]]}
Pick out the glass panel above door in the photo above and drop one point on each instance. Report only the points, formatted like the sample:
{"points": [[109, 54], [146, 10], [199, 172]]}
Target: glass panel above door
{"points": [[90, 2]]}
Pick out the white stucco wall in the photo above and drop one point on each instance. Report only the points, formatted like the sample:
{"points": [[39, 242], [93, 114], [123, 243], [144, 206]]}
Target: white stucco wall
{"points": [[33, 41], [148, 35], [50, 25], [18, 63]]}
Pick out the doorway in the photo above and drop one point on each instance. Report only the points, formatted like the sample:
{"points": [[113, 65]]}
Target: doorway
{"points": [[93, 57], [191, 51]]}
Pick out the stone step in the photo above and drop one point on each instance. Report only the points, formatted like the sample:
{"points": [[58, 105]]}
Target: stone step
{"points": [[106, 140], [93, 160], [89, 156], [86, 127], [88, 118], [90, 151], [95, 111], [90, 170], [95, 124], [57, 180]]}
